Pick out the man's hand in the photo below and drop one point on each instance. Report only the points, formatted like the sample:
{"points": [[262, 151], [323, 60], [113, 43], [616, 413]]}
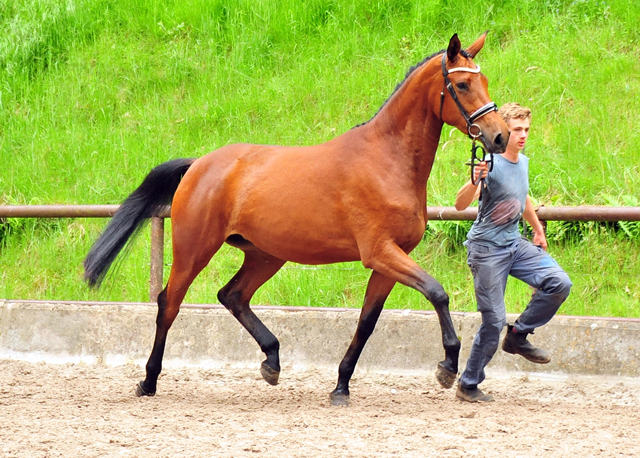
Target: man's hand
{"points": [[540, 240], [470, 191], [480, 171]]}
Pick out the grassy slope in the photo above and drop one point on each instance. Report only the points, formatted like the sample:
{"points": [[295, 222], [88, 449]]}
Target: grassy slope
{"points": [[96, 93]]}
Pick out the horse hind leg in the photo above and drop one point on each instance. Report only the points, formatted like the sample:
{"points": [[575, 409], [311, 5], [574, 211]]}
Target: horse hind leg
{"points": [[188, 261], [378, 290], [258, 267]]}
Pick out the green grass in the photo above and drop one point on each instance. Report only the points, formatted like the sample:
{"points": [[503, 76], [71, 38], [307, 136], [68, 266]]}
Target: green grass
{"points": [[44, 263], [93, 94]]}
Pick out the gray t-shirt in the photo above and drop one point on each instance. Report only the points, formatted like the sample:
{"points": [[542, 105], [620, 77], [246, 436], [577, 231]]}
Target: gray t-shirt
{"points": [[501, 203]]}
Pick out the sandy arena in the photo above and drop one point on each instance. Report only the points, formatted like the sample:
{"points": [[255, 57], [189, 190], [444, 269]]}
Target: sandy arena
{"points": [[90, 411]]}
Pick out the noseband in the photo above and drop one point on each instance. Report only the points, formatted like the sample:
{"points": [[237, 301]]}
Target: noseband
{"points": [[470, 119]]}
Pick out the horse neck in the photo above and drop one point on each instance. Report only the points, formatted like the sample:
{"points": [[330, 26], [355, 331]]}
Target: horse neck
{"points": [[410, 125]]}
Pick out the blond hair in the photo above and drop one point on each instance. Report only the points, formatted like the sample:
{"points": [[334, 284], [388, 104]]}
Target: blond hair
{"points": [[510, 111]]}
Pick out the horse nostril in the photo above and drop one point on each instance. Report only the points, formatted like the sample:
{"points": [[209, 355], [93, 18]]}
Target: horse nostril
{"points": [[498, 141]]}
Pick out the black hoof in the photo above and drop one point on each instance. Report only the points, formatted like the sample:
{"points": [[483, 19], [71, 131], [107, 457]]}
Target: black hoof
{"points": [[445, 377], [270, 375], [340, 399], [142, 392]]}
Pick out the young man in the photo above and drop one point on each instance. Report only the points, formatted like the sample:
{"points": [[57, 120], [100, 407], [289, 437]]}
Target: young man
{"points": [[496, 250]]}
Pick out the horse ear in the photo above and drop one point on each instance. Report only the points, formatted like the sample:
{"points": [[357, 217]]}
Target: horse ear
{"points": [[454, 48], [477, 45]]}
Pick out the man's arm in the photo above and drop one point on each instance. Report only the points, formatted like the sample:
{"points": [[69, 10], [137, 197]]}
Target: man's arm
{"points": [[467, 194], [531, 217], [470, 192]]}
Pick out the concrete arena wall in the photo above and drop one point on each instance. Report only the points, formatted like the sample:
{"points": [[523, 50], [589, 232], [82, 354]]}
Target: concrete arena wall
{"points": [[207, 335]]}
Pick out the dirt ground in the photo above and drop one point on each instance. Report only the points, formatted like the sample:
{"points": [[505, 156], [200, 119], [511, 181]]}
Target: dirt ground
{"points": [[90, 411]]}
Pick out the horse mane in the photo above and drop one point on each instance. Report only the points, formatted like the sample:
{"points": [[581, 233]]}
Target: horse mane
{"points": [[412, 69]]}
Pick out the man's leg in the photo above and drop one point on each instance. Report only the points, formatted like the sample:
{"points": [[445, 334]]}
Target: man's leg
{"points": [[484, 347], [552, 285], [538, 269], [490, 268]]}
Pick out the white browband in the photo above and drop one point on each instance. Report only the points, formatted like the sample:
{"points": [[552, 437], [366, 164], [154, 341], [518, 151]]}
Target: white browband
{"points": [[465, 69]]}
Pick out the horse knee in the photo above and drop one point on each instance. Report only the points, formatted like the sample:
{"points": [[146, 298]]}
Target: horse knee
{"points": [[230, 300], [437, 296], [270, 344], [222, 297], [452, 346]]}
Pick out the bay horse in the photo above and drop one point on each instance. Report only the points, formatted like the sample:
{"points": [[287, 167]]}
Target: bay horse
{"points": [[358, 197]]}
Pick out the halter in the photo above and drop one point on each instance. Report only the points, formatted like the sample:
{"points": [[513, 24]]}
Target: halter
{"points": [[470, 120]]}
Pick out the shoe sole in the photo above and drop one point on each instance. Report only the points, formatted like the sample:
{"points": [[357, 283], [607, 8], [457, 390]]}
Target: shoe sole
{"points": [[533, 360]]}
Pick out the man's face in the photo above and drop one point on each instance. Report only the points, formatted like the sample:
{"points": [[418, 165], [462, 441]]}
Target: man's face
{"points": [[519, 129]]}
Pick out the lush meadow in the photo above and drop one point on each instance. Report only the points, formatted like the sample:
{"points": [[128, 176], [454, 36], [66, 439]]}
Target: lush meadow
{"points": [[93, 94]]}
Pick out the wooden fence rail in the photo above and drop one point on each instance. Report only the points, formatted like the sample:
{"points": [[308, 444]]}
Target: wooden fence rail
{"points": [[579, 213]]}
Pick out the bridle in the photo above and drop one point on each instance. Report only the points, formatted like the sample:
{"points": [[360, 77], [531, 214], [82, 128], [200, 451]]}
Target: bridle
{"points": [[470, 119]]}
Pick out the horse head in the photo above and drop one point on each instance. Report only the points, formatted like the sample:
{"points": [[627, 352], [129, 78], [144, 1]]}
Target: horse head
{"points": [[465, 101]]}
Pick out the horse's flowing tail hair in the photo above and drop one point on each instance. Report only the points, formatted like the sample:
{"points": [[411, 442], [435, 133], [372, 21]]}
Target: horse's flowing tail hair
{"points": [[155, 192]]}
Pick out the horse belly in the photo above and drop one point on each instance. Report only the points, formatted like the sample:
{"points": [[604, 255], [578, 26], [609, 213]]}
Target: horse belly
{"points": [[297, 219], [295, 236]]}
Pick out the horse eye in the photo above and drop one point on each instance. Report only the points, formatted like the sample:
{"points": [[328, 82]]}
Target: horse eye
{"points": [[462, 86]]}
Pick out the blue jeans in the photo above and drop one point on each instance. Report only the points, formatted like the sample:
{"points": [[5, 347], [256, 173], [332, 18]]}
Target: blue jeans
{"points": [[491, 266]]}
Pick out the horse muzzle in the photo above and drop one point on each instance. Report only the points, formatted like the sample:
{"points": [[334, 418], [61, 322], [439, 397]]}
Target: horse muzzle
{"points": [[493, 135], [497, 145]]}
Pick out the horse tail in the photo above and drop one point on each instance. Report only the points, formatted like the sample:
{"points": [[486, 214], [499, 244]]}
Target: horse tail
{"points": [[156, 191]]}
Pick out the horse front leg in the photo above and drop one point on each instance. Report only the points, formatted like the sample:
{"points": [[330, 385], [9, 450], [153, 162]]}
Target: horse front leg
{"points": [[378, 290], [394, 263], [447, 370]]}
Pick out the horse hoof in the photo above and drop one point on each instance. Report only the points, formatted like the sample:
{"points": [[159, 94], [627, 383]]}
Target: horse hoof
{"points": [[445, 377], [142, 392], [270, 375], [340, 399]]}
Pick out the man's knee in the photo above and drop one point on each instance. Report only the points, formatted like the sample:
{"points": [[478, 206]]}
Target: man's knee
{"points": [[566, 284], [489, 335], [558, 284], [500, 324], [495, 318], [493, 324]]}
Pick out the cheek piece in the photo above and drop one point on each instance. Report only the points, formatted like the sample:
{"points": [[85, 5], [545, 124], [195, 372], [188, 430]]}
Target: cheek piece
{"points": [[478, 153]]}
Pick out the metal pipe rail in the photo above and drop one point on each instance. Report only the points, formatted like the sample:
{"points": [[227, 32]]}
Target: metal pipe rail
{"points": [[579, 213]]}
